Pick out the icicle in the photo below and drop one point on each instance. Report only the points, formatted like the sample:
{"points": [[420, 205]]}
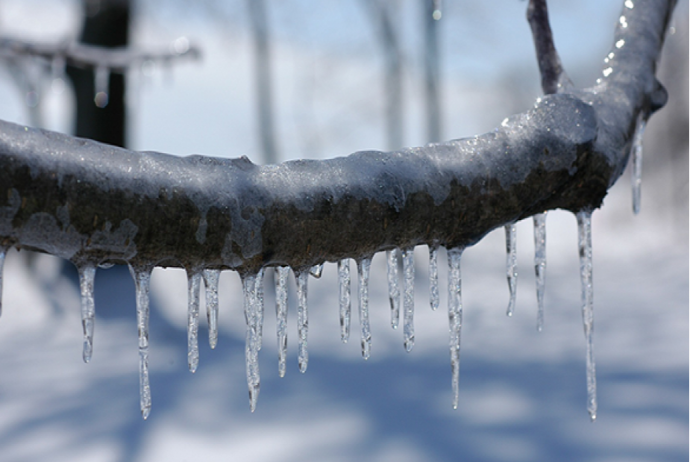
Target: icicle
{"points": [[344, 296], [584, 228], [637, 163], [437, 13], [302, 278], [393, 287], [434, 298], [408, 299], [316, 270], [363, 269], [455, 318], [87, 275], [540, 264], [281, 316], [57, 70], [511, 265], [3, 253], [193, 285], [259, 291], [211, 277], [252, 341], [142, 279], [101, 84]]}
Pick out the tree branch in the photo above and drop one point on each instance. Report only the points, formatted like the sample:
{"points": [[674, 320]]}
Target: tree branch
{"points": [[86, 201]]}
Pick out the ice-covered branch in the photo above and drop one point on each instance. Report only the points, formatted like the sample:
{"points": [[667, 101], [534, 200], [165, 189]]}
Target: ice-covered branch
{"points": [[95, 57]]}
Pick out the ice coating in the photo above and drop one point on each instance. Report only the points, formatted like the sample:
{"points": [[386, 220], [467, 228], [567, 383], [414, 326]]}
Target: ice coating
{"points": [[393, 286], [344, 296], [211, 278], [193, 287], [302, 277], [408, 298], [282, 273], [455, 318], [252, 340], [363, 267], [434, 298], [540, 264], [637, 163], [584, 228], [511, 265], [142, 279], [87, 274]]}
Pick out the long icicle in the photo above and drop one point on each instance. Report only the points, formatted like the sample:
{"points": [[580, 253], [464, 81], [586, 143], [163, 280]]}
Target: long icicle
{"points": [[344, 282], [455, 318], [393, 286], [584, 228], [3, 253], [193, 286], [637, 162], [511, 265], [259, 297], [363, 267], [302, 278], [211, 278], [251, 346], [281, 316], [87, 274], [434, 298], [142, 279], [408, 298], [540, 264]]}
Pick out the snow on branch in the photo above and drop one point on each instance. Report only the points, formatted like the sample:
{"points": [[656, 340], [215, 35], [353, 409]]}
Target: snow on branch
{"points": [[80, 199]]}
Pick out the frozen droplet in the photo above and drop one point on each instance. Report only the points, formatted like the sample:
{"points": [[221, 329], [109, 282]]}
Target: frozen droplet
{"points": [[316, 270], [434, 298], [584, 232], [101, 84], [3, 253], [363, 267], [302, 320], [540, 264], [142, 279], [344, 298], [281, 316], [211, 277], [511, 265], [637, 163], [87, 274], [393, 286], [455, 318], [252, 340], [193, 286], [408, 298]]}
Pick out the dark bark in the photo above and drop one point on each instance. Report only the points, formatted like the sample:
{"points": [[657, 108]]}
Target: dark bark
{"points": [[83, 200]]}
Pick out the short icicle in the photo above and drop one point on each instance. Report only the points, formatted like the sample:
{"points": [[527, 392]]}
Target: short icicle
{"points": [[142, 279], [3, 253], [540, 264], [363, 267], [211, 277], [281, 316], [584, 227], [193, 286], [101, 84], [316, 270], [434, 299], [344, 298], [455, 318], [511, 265], [302, 277], [87, 274], [393, 286], [637, 162], [251, 347], [408, 298]]}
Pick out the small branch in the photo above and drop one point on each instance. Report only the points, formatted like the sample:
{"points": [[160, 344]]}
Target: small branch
{"points": [[93, 57], [553, 76]]}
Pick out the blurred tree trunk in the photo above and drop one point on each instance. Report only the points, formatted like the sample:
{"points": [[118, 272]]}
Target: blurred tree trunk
{"points": [[106, 24]]}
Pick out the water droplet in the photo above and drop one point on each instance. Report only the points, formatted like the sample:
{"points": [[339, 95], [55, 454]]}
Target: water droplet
{"points": [[316, 270]]}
